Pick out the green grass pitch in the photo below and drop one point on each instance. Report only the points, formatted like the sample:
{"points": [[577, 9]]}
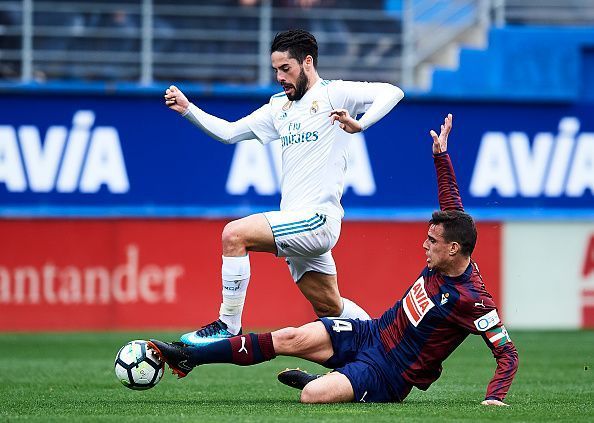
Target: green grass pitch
{"points": [[69, 377]]}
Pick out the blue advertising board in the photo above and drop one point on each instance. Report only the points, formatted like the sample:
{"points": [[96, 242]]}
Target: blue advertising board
{"points": [[78, 155]]}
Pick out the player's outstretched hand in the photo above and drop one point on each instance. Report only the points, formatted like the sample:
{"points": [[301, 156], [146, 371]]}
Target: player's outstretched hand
{"points": [[176, 100], [494, 402], [347, 123], [440, 143]]}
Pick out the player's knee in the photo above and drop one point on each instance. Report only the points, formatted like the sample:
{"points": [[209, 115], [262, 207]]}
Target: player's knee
{"points": [[328, 307], [311, 394], [290, 340], [232, 236], [285, 336]]}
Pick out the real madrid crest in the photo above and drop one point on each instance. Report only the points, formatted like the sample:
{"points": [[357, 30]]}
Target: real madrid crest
{"points": [[314, 107], [287, 105]]}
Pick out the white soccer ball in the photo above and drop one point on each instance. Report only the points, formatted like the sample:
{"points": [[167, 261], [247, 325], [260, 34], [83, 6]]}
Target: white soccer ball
{"points": [[137, 366]]}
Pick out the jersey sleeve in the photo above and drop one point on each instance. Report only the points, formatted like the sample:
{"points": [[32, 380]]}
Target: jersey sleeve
{"points": [[481, 318], [261, 123], [447, 186], [506, 356], [375, 99], [217, 128]]}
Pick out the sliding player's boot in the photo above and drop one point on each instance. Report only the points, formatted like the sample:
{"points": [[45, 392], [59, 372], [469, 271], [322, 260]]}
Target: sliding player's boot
{"points": [[208, 334], [296, 378], [175, 354]]}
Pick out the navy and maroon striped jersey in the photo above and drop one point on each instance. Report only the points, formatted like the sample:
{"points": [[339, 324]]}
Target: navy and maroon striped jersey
{"points": [[438, 312]]}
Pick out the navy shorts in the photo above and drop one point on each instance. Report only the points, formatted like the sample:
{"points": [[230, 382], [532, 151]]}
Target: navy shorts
{"points": [[360, 355]]}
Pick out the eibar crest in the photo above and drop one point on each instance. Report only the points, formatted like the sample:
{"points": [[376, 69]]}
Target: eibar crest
{"points": [[314, 107]]}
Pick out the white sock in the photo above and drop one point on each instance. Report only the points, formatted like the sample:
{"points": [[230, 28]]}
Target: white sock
{"points": [[350, 310], [236, 277]]}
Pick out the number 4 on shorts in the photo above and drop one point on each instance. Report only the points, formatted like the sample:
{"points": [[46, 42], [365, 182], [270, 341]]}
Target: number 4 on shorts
{"points": [[342, 326]]}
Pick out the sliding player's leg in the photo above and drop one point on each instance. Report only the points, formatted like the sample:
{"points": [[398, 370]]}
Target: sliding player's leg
{"points": [[310, 342]]}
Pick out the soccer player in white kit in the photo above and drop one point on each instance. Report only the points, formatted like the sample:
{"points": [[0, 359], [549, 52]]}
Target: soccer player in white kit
{"points": [[314, 163]]}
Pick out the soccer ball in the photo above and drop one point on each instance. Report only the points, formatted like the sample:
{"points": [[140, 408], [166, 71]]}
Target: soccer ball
{"points": [[137, 366]]}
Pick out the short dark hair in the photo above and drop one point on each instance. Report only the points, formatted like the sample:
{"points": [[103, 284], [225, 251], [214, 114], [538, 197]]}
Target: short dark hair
{"points": [[298, 42], [457, 227]]}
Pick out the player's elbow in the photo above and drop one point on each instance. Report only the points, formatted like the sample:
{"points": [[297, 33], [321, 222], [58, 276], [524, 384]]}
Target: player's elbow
{"points": [[393, 92], [515, 358], [224, 139], [397, 93]]}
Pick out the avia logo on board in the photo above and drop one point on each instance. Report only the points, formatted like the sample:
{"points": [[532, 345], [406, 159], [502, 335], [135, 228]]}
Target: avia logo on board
{"points": [[554, 165], [259, 167], [81, 158]]}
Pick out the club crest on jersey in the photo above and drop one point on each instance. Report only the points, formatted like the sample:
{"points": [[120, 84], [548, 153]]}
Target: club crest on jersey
{"points": [[314, 107], [287, 105], [487, 321], [417, 303]]}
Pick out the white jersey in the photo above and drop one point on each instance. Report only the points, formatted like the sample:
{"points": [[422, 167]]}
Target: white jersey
{"points": [[314, 158]]}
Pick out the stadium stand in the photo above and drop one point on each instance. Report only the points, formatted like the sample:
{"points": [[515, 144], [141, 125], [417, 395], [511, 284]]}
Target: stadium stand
{"points": [[524, 62], [226, 41], [161, 40], [549, 12]]}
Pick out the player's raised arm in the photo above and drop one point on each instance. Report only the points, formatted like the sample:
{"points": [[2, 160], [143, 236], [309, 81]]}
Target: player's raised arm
{"points": [[219, 129], [448, 192], [375, 99]]}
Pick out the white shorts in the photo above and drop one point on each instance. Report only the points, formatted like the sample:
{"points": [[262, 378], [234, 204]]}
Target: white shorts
{"points": [[305, 238]]}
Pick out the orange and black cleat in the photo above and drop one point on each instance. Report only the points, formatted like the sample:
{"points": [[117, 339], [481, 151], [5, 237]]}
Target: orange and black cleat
{"points": [[175, 354]]}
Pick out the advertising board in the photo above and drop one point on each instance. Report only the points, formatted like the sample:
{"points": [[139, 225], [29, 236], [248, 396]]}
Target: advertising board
{"points": [[102, 156]]}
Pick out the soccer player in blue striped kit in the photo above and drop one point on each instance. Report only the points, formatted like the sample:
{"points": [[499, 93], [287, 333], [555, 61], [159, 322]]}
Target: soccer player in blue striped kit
{"points": [[381, 360]]}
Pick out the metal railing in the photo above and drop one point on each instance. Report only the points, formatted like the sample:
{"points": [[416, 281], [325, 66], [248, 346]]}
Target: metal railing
{"points": [[549, 12], [145, 41]]}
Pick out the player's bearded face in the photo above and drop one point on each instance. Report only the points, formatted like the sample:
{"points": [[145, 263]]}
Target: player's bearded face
{"points": [[300, 87]]}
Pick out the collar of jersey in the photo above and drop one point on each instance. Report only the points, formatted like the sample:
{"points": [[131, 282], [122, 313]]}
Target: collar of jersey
{"points": [[462, 278], [305, 96]]}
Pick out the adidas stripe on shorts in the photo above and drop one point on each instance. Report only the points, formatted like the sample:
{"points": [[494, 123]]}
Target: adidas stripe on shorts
{"points": [[305, 239]]}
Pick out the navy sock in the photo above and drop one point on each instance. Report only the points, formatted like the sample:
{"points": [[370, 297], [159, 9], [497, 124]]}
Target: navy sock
{"points": [[243, 350]]}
